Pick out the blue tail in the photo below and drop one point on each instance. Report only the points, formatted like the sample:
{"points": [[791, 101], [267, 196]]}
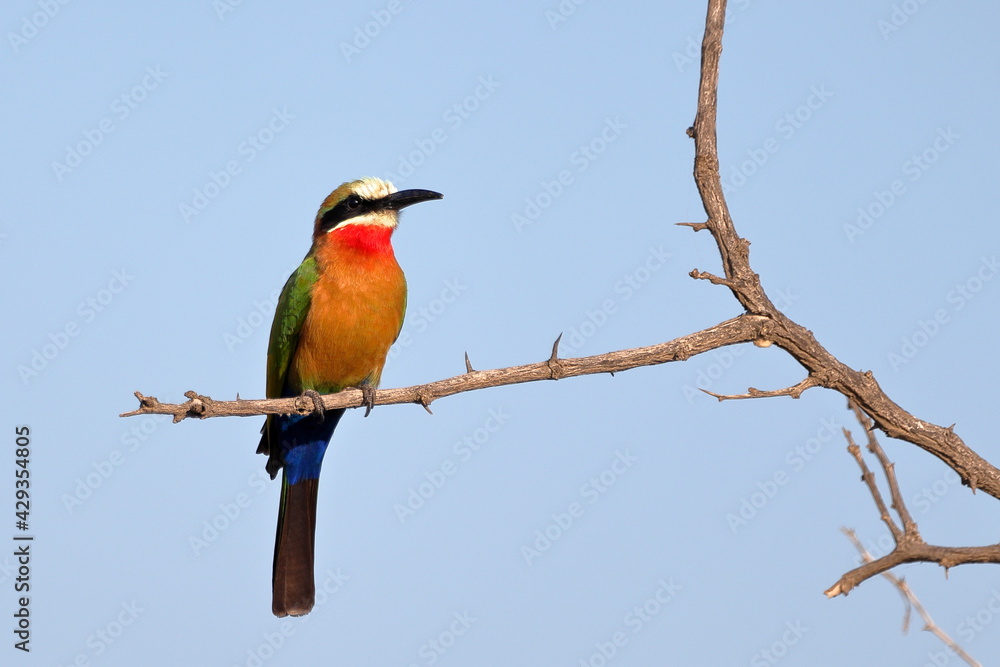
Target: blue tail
{"points": [[303, 441]]}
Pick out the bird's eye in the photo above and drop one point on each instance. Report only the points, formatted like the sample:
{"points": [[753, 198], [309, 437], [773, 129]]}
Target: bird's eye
{"points": [[353, 202]]}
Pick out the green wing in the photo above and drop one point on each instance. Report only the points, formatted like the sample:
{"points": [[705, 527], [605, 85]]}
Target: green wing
{"points": [[293, 305]]}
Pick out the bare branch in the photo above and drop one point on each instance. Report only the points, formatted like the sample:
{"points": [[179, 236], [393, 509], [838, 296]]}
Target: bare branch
{"points": [[946, 557], [910, 546], [912, 602], [742, 329], [799, 342]]}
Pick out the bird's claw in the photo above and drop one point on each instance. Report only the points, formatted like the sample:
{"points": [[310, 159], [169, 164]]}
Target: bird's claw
{"points": [[317, 403], [367, 398]]}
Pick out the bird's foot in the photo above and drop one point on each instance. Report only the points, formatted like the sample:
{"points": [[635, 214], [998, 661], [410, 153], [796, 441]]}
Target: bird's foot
{"points": [[317, 400], [368, 398]]}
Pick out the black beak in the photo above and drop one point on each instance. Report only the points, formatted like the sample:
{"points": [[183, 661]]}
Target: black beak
{"points": [[400, 200]]}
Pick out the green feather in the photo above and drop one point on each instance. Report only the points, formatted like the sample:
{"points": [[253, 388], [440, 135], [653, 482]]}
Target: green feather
{"points": [[293, 306]]}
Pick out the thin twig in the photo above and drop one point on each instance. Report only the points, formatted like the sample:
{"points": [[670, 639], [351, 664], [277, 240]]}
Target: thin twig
{"points": [[794, 391], [913, 602], [909, 545]]}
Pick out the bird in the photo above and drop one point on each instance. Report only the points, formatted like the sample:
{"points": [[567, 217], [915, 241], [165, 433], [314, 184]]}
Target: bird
{"points": [[337, 316]]}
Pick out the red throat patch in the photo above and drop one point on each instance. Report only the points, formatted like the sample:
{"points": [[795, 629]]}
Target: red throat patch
{"points": [[373, 239]]}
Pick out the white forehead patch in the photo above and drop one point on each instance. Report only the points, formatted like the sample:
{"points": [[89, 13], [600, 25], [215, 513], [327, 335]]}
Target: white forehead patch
{"points": [[374, 188]]}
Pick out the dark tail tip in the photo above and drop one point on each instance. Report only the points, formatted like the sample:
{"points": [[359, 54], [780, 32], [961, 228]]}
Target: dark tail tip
{"points": [[293, 586]]}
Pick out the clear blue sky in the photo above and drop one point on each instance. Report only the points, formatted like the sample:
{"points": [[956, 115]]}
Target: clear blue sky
{"points": [[162, 167]]}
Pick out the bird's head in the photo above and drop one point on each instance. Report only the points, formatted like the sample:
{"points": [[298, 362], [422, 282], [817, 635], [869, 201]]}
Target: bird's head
{"points": [[368, 201]]}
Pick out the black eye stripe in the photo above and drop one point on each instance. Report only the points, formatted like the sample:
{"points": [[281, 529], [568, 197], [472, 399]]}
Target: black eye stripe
{"points": [[351, 207]]}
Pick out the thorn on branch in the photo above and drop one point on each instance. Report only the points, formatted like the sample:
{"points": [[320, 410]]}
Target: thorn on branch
{"points": [[425, 401], [468, 364], [555, 367], [695, 226]]}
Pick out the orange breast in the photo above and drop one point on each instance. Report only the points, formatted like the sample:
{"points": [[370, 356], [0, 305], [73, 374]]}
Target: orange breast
{"points": [[356, 310]]}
